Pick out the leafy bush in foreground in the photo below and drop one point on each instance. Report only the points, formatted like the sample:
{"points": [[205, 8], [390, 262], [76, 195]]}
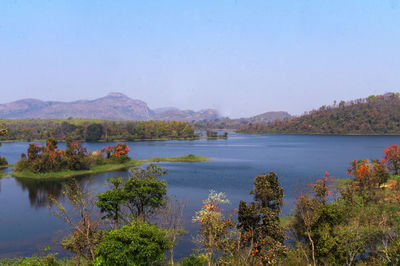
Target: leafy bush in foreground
{"points": [[135, 244]]}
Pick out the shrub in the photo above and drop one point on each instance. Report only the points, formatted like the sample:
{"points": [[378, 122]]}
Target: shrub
{"points": [[49, 260], [191, 156], [117, 153], [134, 244], [193, 260], [96, 158], [76, 156], [3, 161]]}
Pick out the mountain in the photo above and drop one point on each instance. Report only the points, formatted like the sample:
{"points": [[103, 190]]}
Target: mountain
{"points": [[377, 114], [114, 106], [187, 115], [164, 109]]}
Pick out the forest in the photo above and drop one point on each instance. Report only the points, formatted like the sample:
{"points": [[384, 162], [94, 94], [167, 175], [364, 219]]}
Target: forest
{"points": [[375, 115], [95, 130]]}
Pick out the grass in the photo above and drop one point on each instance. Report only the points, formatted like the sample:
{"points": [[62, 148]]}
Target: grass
{"points": [[187, 158], [107, 167], [341, 183], [37, 261], [286, 221]]}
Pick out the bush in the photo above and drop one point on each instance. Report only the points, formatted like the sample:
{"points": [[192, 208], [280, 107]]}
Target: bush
{"points": [[3, 161], [50, 260], [96, 158], [76, 156], [120, 159], [134, 244], [193, 260], [22, 165]]}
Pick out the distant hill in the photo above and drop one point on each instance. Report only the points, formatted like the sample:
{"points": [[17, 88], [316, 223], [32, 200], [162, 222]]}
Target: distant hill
{"points": [[114, 106], [269, 117], [186, 115], [378, 114], [227, 123]]}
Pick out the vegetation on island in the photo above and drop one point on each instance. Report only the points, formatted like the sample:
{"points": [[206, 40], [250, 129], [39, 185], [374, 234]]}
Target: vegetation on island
{"points": [[95, 130], [374, 115], [186, 158], [48, 158], [47, 161], [214, 135]]}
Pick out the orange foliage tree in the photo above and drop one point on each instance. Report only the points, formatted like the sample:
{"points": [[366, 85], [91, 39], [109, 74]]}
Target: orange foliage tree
{"points": [[121, 149], [392, 158]]}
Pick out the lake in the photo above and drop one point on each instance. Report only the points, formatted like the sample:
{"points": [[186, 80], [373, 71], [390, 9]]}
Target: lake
{"points": [[28, 225]]}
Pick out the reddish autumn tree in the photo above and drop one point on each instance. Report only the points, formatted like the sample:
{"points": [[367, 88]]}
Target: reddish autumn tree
{"points": [[392, 158], [76, 156], [109, 150], [320, 189], [121, 149], [368, 177]]}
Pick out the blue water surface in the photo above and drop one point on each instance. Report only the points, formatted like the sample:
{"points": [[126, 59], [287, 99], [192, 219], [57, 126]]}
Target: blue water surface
{"points": [[28, 225]]}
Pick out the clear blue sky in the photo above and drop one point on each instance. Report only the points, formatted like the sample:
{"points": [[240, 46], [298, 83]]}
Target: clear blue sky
{"points": [[241, 57]]}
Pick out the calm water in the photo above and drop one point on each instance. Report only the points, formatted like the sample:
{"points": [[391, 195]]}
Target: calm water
{"points": [[28, 226]]}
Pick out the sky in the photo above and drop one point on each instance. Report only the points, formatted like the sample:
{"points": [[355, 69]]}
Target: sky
{"points": [[242, 57]]}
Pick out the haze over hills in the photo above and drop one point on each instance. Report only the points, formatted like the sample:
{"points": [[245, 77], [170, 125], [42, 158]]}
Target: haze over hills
{"points": [[117, 106], [269, 117], [114, 106]]}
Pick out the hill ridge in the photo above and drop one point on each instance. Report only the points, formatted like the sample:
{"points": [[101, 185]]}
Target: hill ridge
{"points": [[376, 114], [113, 106]]}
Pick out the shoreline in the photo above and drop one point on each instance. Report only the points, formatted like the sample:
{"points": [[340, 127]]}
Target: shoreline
{"points": [[317, 134], [101, 141]]}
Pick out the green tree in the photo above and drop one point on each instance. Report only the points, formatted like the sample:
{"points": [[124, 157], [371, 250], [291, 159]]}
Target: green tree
{"points": [[145, 191], [94, 132], [135, 244], [111, 201], [259, 221]]}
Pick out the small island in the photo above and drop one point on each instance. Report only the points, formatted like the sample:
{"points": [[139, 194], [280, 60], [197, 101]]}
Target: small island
{"points": [[49, 162], [214, 135]]}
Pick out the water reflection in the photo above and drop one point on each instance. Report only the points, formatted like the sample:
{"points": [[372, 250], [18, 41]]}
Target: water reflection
{"points": [[41, 191]]}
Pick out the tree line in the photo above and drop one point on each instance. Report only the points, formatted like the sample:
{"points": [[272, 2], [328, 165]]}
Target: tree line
{"points": [[95, 130], [377, 114]]}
